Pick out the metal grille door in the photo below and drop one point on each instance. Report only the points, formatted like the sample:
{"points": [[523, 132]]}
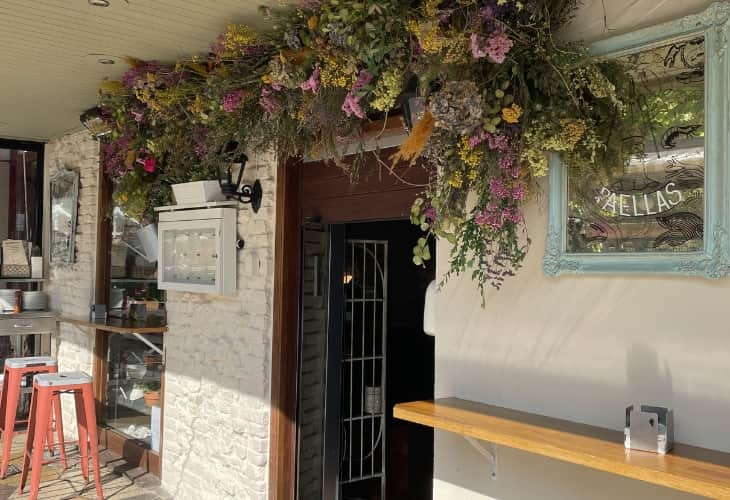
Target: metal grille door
{"points": [[364, 369]]}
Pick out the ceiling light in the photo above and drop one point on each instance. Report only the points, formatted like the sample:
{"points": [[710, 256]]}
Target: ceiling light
{"points": [[99, 3], [105, 60]]}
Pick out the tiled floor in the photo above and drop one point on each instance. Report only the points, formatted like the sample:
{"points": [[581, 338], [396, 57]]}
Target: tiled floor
{"points": [[120, 481]]}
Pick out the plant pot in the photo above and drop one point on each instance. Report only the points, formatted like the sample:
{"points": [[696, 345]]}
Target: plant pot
{"points": [[197, 192], [152, 398]]}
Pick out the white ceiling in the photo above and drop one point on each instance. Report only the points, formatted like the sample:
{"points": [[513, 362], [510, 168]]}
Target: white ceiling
{"points": [[49, 71], [47, 75]]}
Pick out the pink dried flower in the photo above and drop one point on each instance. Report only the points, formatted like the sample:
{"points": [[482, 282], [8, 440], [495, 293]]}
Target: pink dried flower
{"points": [[477, 50], [232, 100], [351, 106], [497, 47], [498, 189], [138, 116], [148, 164], [513, 215], [498, 142], [430, 214], [518, 192], [312, 83]]}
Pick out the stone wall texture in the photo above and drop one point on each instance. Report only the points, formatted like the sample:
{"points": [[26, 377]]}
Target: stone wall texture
{"points": [[218, 349], [71, 286], [217, 382]]}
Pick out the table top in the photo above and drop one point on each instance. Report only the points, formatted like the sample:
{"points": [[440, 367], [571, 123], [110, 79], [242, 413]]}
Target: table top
{"points": [[118, 325], [686, 468]]}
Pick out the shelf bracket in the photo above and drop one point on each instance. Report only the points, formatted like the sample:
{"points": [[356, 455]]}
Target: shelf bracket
{"points": [[489, 454], [148, 344]]}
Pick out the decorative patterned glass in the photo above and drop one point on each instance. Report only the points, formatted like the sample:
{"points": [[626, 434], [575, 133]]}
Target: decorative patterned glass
{"points": [[650, 215], [656, 202]]}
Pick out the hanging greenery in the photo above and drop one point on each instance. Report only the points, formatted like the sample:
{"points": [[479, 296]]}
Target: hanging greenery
{"points": [[499, 91]]}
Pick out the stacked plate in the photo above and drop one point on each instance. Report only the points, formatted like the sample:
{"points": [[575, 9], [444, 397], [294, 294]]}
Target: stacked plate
{"points": [[7, 300], [35, 301]]}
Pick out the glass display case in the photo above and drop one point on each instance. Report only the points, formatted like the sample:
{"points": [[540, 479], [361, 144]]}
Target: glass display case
{"points": [[134, 386], [197, 250]]}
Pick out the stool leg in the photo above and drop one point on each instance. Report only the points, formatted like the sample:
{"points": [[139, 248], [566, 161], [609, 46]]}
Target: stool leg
{"points": [[11, 387], [59, 428], [43, 412], [29, 439], [89, 406], [83, 437], [50, 443]]}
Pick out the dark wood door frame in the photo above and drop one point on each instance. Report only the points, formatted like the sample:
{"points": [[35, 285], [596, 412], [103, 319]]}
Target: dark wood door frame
{"points": [[283, 423], [303, 192]]}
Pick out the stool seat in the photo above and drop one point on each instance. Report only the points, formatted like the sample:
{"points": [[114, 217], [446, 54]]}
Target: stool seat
{"points": [[30, 362], [63, 378]]}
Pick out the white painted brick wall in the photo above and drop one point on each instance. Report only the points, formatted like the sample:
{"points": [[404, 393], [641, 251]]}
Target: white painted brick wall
{"points": [[71, 287], [217, 382], [218, 349]]}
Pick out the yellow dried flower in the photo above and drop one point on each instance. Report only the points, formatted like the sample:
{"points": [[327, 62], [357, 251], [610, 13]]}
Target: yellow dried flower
{"points": [[312, 23], [334, 73], [471, 157], [512, 113], [238, 35], [536, 161], [387, 90], [456, 180], [431, 8], [429, 36]]}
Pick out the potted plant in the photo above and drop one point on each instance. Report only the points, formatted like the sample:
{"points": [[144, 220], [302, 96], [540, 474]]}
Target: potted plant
{"points": [[152, 394]]}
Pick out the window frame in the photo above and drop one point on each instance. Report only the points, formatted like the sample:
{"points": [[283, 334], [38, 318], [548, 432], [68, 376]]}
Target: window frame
{"points": [[714, 261]]}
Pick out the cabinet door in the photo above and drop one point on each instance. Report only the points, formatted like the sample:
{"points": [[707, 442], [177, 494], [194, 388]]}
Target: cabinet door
{"points": [[190, 256]]}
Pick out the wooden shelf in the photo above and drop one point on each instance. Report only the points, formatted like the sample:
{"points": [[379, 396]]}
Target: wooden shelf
{"points": [[686, 468], [117, 325]]}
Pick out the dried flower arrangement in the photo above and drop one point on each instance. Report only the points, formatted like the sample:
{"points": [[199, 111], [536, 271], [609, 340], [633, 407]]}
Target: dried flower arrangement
{"points": [[500, 91]]}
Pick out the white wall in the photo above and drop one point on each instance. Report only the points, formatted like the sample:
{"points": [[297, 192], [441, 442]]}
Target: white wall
{"points": [[578, 348], [71, 286], [217, 376]]}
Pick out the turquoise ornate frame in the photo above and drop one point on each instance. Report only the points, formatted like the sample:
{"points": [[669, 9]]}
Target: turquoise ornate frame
{"points": [[714, 261]]}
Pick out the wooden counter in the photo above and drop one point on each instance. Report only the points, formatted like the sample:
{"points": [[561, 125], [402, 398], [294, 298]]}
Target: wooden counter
{"points": [[118, 325], [686, 468]]}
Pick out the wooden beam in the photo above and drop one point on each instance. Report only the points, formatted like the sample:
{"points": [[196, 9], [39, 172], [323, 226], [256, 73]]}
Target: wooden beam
{"points": [[283, 422]]}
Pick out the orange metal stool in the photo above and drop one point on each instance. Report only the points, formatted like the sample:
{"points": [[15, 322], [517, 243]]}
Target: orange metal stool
{"points": [[47, 387], [15, 370]]}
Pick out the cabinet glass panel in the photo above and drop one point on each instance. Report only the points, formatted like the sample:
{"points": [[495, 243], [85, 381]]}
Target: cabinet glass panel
{"points": [[133, 391], [133, 263], [190, 256]]}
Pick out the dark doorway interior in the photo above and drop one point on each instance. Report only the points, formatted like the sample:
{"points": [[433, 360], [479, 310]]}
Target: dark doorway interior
{"points": [[409, 360]]}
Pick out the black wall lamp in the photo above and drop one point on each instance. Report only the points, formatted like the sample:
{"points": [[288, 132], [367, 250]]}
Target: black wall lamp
{"points": [[94, 122], [232, 188]]}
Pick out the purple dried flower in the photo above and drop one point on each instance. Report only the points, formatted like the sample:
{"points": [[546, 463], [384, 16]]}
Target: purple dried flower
{"points": [[498, 189], [518, 192], [233, 100], [270, 104]]}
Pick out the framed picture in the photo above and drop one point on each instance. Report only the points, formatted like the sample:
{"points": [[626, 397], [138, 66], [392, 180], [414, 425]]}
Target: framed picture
{"points": [[667, 209], [64, 194]]}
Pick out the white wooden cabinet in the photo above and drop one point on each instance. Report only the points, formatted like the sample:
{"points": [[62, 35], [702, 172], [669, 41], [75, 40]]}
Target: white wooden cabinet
{"points": [[197, 250]]}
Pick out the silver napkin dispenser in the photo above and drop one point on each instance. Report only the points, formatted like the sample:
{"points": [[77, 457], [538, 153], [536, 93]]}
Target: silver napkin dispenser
{"points": [[649, 428]]}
